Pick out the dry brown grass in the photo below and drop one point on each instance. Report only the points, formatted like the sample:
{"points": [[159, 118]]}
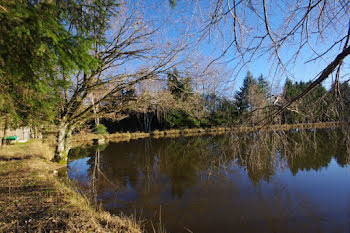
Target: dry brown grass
{"points": [[33, 199], [51, 139], [172, 132], [157, 133], [82, 138], [30, 149]]}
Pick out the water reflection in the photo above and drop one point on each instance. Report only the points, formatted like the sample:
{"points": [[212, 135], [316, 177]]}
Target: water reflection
{"points": [[266, 182]]}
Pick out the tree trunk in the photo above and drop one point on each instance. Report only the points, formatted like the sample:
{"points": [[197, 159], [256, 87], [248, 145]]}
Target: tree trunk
{"points": [[68, 141], [64, 135], [95, 109], [147, 120], [3, 141]]}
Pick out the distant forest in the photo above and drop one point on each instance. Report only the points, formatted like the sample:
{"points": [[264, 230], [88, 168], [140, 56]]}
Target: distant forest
{"points": [[178, 106]]}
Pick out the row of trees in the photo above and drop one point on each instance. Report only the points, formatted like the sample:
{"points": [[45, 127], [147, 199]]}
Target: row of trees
{"points": [[318, 105], [177, 105], [284, 35]]}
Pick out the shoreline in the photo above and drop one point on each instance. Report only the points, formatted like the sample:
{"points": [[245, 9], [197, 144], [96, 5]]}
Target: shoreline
{"points": [[172, 133], [33, 198]]}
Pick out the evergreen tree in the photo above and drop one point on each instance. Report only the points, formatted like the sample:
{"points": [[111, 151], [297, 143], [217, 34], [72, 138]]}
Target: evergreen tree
{"points": [[345, 101], [313, 107], [180, 87], [222, 111], [252, 98], [182, 90], [263, 85], [241, 95], [41, 43]]}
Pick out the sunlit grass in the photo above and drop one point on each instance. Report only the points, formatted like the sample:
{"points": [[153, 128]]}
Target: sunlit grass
{"points": [[30, 149]]}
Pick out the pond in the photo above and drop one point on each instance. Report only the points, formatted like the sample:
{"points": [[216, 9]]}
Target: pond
{"points": [[297, 181]]}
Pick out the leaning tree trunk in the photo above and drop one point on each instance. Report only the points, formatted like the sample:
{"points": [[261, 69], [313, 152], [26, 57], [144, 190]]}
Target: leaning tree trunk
{"points": [[95, 109], [3, 140], [64, 141], [68, 141]]}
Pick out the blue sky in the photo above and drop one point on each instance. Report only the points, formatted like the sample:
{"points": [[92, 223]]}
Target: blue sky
{"points": [[177, 21]]}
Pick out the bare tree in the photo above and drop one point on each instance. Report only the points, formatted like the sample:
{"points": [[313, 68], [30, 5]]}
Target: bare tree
{"points": [[286, 32], [258, 104], [153, 100], [215, 79], [130, 55]]}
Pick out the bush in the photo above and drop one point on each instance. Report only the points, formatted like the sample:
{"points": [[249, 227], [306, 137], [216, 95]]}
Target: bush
{"points": [[100, 129]]}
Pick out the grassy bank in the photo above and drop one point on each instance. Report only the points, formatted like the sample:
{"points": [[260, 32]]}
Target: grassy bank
{"points": [[34, 199]]}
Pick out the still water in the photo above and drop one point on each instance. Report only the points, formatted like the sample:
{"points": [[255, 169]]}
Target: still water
{"points": [[282, 182]]}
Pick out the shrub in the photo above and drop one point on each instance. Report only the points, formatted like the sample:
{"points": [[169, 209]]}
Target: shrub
{"points": [[100, 129]]}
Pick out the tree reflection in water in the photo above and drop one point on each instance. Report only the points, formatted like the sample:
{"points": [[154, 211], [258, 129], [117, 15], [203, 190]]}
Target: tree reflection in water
{"points": [[202, 181]]}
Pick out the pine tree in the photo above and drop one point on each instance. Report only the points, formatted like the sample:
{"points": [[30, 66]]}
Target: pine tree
{"points": [[263, 85], [241, 95], [178, 86]]}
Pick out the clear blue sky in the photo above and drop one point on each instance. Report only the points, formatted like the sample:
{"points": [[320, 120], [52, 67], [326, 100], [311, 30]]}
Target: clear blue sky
{"points": [[186, 12]]}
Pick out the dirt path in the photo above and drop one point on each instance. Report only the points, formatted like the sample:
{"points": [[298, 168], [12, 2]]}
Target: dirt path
{"points": [[32, 199]]}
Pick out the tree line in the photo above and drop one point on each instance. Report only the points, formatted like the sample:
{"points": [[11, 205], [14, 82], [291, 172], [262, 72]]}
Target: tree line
{"points": [[178, 105]]}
